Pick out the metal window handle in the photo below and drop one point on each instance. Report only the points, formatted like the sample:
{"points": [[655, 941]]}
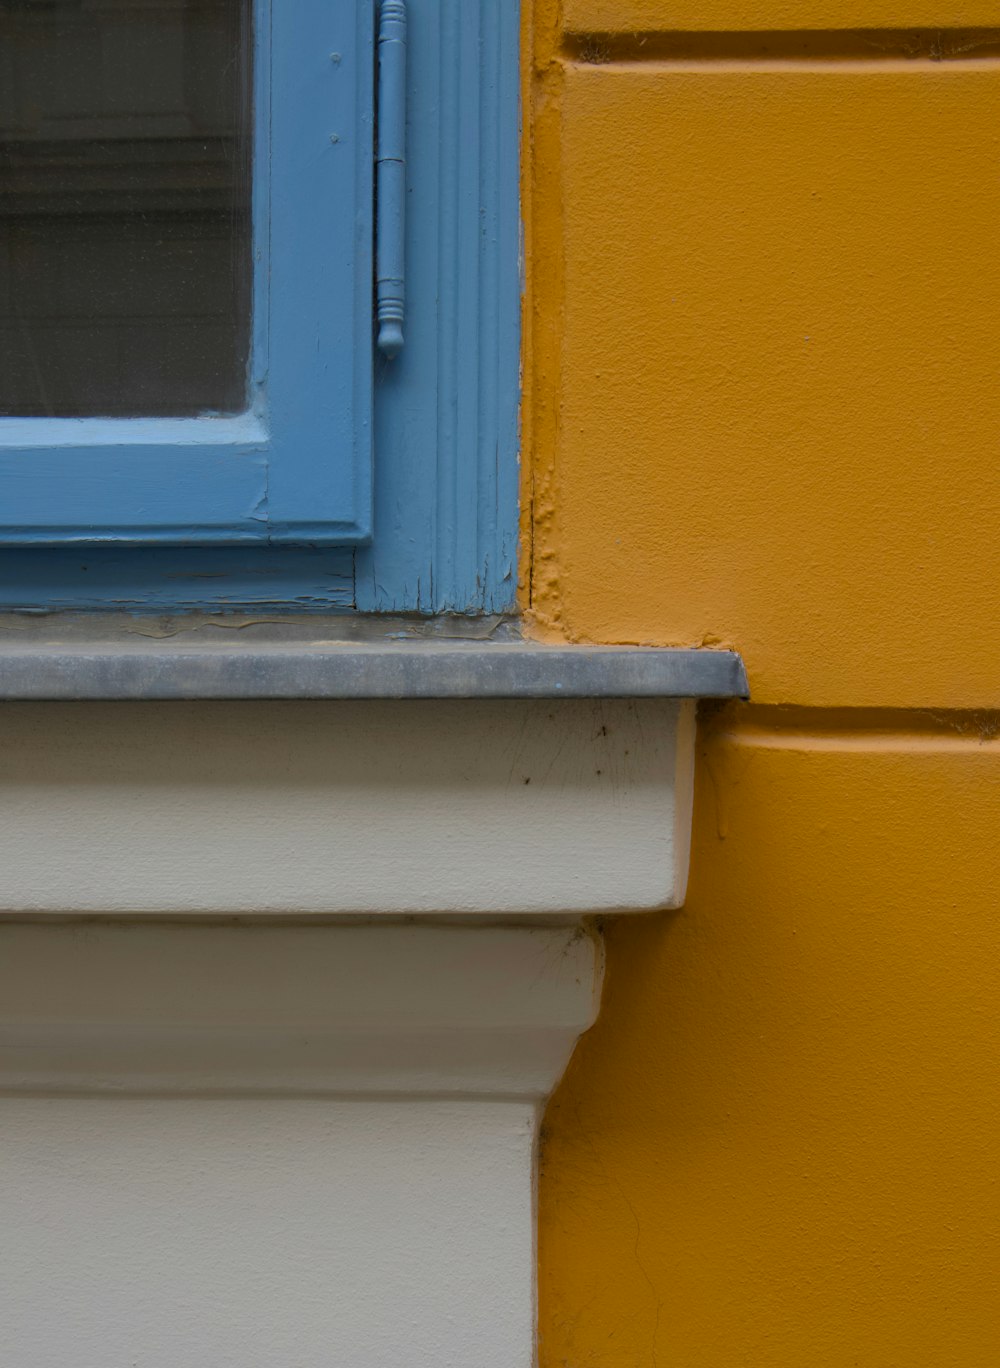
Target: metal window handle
{"points": [[390, 180]]}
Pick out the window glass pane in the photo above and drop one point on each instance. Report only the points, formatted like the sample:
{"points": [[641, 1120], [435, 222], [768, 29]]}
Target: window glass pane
{"points": [[125, 248]]}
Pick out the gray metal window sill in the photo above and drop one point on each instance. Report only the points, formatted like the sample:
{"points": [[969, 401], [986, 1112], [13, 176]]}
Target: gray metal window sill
{"points": [[112, 656]]}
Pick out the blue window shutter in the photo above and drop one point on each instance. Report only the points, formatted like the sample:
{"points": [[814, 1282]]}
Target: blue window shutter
{"points": [[297, 467]]}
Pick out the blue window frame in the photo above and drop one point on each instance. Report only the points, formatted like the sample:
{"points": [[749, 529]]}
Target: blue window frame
{"points": [[296, 466], [349, 484]]}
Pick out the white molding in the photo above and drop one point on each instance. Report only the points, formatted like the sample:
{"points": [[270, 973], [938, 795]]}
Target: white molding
{"points": [[283, 1139], [277, 1145], [293, 1010], [477, 808]]}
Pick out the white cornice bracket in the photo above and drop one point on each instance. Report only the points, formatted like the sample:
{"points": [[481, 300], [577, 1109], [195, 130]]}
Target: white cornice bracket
{"points": [[277, 1145]]}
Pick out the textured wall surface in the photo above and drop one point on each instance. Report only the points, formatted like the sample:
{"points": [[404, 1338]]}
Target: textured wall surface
{"points": [[761, 409], [659, 16], [244, 1231], [763, 401], [778, 1145]]}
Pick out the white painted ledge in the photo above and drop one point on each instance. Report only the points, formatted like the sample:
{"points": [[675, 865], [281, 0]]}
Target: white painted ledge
{"points": [[476, 808], [260, 1146]]}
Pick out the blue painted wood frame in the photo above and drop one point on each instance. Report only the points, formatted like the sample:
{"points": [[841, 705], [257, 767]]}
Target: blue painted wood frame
{"points": [[446, 409], [297, 466]]}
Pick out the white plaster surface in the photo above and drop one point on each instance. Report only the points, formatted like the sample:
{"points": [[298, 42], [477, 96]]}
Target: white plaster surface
{"points": [[197, 1233], [276, 1147], [370, 808]]}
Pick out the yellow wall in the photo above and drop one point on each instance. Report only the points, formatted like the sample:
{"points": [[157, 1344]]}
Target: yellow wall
{"points": [[762, 408]]}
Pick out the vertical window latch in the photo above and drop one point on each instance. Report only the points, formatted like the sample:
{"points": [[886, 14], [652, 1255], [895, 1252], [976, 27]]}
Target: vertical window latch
{"points": [[390, 179]]}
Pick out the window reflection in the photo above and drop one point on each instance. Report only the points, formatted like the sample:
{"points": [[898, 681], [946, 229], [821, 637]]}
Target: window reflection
{"points": [[125, 234]]}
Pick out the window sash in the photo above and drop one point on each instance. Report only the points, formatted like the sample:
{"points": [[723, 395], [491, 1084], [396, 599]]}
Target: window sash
{"points": [[296, 468]]}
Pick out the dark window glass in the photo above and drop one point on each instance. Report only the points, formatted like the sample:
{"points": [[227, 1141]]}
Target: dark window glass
{"points": [[125, 223]]}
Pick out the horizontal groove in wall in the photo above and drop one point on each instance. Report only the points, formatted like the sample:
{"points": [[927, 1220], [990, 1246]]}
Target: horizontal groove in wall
{"points": [[862, 729], [849, 45]]}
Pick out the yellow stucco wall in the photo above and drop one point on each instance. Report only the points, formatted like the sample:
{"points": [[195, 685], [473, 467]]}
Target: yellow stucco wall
{"points": [[762, 409]]}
